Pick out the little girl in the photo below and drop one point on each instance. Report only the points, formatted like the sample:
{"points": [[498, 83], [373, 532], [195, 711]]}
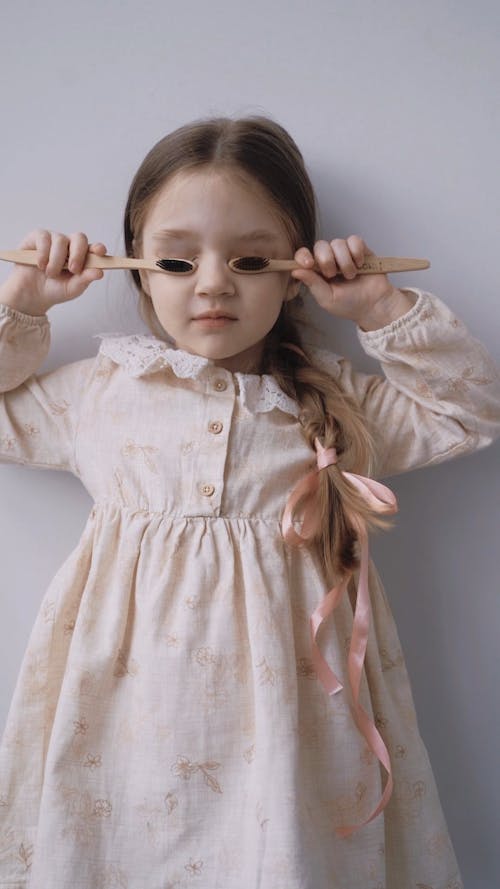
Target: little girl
{"points": [[214, 693]]}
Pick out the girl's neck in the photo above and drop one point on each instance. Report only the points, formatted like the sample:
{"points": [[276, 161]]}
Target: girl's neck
{"points": [[249, 361]]}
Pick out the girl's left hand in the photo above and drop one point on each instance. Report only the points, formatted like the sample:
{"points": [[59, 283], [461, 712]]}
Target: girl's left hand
{"points": [[369, 300]]}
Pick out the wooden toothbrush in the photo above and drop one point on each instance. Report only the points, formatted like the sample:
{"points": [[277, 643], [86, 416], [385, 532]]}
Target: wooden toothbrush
{"points": [[373, 265]]}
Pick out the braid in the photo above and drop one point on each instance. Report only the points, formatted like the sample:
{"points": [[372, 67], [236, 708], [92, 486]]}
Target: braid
{"points": [[334, 417]]}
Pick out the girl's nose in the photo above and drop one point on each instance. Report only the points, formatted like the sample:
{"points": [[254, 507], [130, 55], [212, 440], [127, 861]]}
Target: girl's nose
{"points": [[213, 276]]}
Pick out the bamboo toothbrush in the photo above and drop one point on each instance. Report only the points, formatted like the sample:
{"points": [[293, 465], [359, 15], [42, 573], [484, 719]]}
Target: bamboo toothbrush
{"points": [[374, 265]]}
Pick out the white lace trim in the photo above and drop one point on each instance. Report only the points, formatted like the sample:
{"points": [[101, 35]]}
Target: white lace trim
{"points": [[141, 354]]}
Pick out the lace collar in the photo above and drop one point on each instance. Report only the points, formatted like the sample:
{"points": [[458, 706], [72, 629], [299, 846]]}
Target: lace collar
{"points": [[142, 354]]}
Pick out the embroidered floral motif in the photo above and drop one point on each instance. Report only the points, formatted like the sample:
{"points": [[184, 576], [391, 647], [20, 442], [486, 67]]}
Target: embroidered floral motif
{"points": [[93, 762], [194, 868], [424, 391], [31, 429], [48, 612], [184, 768], [36, 673], [156, 817], [88, 685], [406, 803], [84, 814], [205, 656], [438, 844], [132, 449], [380, 720], [461, 384], [220, 667], [193, 602], [367, 756], [58, 409], [249, 754], [305, 668], [388, 661], [125, 665], [268, 675], [349, 808], [7, 442], [102, 808], [81, 726], [105, 368], [25, 855], [171, 802], [259, 810], [427, 314]]}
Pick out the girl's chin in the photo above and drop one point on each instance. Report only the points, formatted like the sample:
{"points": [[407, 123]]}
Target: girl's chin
{"points": [[246, 360]]}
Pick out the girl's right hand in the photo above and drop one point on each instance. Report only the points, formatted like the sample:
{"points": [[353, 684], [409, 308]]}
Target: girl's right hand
{"points": [[35, 289]]}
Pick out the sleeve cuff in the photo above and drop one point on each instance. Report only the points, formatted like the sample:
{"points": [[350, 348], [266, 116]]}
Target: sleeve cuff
{"points": [[407, 321], [22, 317]]}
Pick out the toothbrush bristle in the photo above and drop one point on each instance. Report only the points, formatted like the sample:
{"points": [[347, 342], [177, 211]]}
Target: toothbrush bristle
{"points": [[251, 263], [175, 265]]}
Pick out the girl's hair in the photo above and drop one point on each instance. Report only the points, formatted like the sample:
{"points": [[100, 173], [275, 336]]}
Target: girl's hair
{"points": [[259, 149]]}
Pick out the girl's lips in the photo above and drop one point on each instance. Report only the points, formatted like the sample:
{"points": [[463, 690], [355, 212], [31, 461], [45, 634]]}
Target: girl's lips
{"points": [[214, 322]]}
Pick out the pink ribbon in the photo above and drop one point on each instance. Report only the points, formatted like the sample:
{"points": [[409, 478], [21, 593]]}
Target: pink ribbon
{"points": [[382, 500]]}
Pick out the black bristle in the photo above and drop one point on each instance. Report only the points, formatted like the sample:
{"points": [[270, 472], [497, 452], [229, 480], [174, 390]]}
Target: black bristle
{"points": [[178, 266], [250, 263]]}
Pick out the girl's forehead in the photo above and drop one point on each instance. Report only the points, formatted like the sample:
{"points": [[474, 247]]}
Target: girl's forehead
{"points": [[222, 185], [203, 195]]}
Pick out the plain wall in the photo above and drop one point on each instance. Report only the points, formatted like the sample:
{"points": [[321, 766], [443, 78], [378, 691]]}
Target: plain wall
{"points": [[396, 109]]}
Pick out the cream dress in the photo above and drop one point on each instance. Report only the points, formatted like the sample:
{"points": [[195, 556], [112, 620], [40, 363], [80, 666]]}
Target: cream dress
{"points": [[167, 729]]}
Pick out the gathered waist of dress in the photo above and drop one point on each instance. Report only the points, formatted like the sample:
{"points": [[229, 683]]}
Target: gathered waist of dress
{"points": [[108, 506]]}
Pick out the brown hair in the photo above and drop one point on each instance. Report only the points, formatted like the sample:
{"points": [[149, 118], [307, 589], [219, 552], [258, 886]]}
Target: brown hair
{"points": [[259, 148]]}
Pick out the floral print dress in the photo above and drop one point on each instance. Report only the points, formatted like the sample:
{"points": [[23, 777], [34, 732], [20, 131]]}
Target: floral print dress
{"points": [[167, 728]]}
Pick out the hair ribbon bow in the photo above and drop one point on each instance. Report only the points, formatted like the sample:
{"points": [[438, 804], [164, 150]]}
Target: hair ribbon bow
{"points": [[382, 500]]}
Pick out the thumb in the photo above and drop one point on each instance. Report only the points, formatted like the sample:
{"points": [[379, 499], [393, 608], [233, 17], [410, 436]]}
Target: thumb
{"points": [[77, 284], [317, 284]]}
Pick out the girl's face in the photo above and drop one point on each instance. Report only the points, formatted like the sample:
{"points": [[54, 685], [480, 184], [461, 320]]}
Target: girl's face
{"points": [[213, 216]]}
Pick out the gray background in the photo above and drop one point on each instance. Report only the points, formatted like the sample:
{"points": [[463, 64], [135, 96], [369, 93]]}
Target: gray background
{"points": [[396, 109]]}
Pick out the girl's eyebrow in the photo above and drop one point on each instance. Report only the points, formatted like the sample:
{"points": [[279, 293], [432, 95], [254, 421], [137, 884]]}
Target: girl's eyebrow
{"points": [[256, 235]]}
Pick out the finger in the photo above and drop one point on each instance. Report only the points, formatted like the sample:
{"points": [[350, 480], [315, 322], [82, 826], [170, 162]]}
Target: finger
{"points": [[343, 258], [98, 248], [325, 259], [316, 284], [76, 284], [358, 249], [304, 257], [78, 248], [40, 240], [58, 254]]}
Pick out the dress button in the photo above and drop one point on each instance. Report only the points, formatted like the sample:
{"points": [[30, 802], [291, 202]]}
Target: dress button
{"points": [[215, 427], [207, 490], [220, 385]]}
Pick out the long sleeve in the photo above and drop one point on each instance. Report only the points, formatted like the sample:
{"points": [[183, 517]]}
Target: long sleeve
{"points": [[38, 414], [439, 395]]}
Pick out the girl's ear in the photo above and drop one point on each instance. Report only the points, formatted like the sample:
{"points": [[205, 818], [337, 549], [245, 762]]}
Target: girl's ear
{"points": [[293, 289], [144, 284]]}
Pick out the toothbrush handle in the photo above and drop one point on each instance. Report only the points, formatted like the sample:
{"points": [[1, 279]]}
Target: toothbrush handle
{"points": [[30, 257], [374, 265]]}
